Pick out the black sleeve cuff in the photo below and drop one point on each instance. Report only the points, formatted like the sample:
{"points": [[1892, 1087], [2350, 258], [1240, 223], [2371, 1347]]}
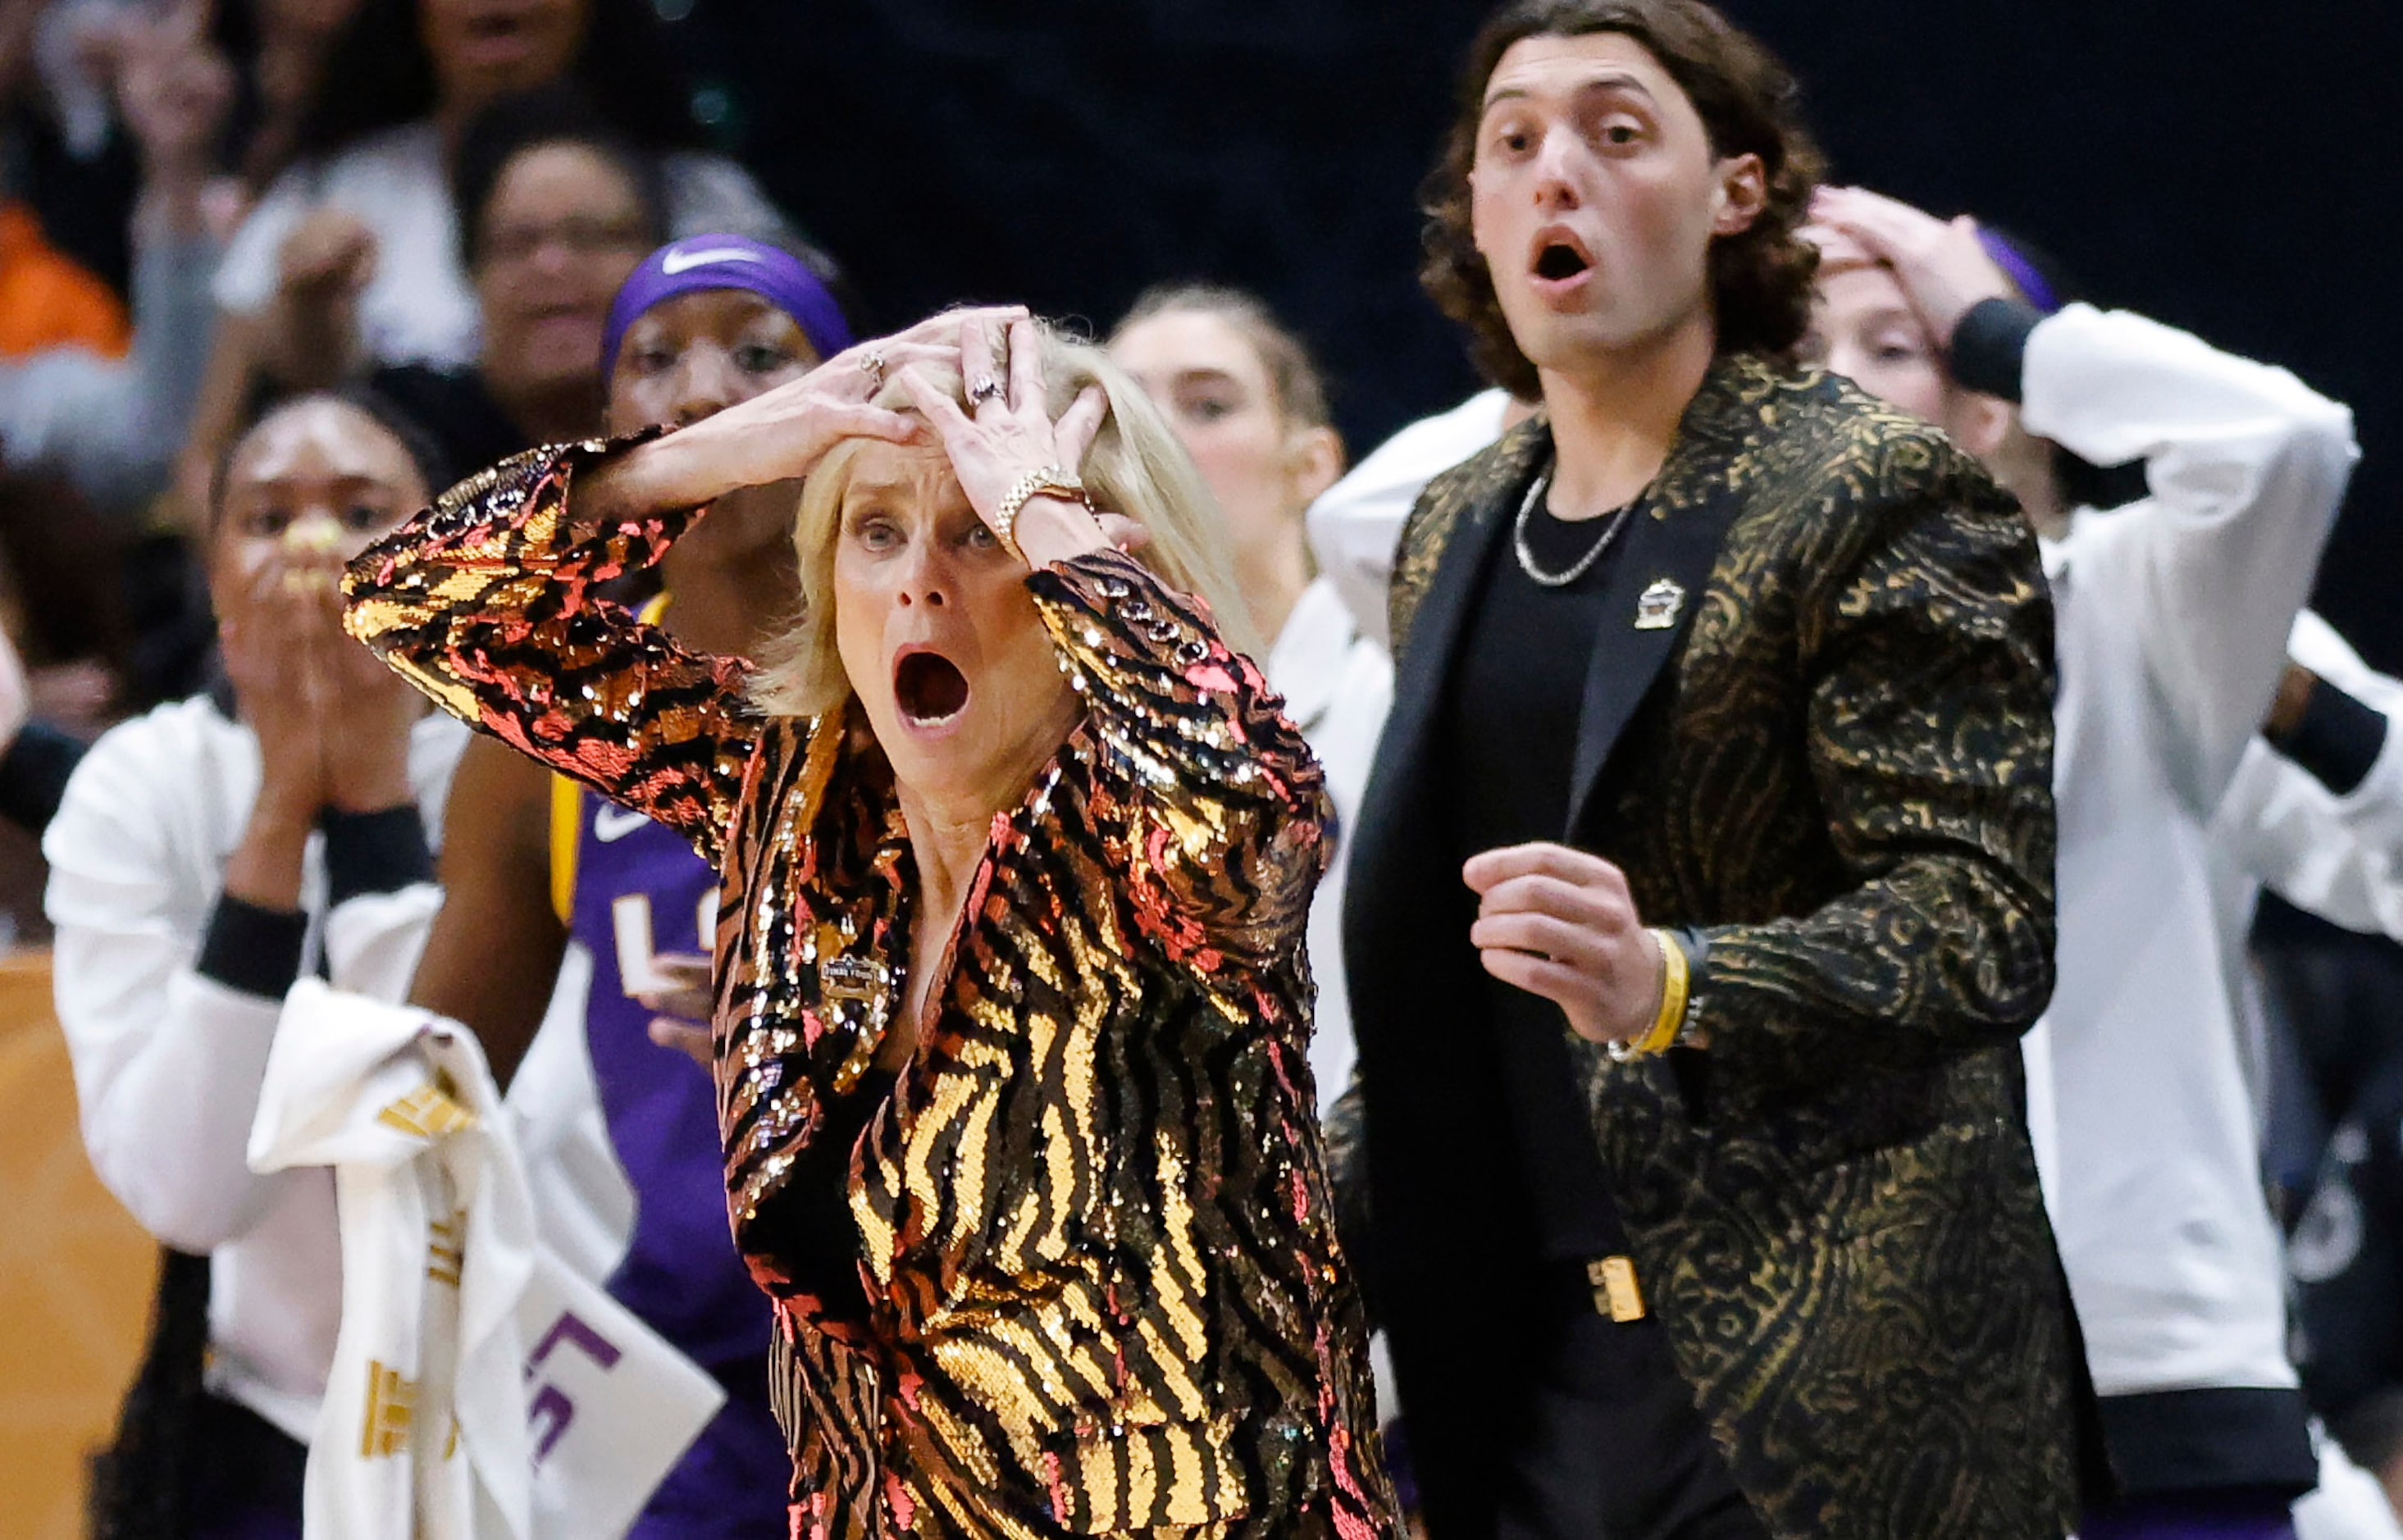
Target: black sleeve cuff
{"points": [[33, 775], [1989, 346], [374, 853], [2337, 738], [1697, 944], [254, 949]]}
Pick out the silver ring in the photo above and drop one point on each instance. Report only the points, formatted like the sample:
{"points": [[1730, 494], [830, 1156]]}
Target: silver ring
{"points": [[872, 365], [986, 389]]}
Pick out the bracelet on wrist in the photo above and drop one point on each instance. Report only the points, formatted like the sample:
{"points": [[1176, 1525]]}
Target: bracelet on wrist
{"points": [[1676, 981], [1050, 481]]}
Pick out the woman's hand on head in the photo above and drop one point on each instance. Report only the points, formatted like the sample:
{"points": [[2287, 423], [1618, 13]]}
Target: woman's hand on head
{"points": [[1007, 434], [779, 435], [1941, 265]]}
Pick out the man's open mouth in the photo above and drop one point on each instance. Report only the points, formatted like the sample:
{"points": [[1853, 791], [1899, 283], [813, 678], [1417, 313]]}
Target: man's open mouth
{"points": [[929, 687], [1559, 260]]}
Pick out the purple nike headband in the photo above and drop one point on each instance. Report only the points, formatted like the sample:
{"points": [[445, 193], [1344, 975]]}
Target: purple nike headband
{"points": [[700, 262], [2019, 269]]}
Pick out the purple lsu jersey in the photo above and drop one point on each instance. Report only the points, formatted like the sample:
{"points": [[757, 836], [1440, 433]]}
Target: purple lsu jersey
{"points": [[640, 895], [634, 894]]}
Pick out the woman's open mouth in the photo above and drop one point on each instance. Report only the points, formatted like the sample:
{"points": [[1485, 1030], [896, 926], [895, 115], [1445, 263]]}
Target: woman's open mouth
{"points": [[929, 688]]}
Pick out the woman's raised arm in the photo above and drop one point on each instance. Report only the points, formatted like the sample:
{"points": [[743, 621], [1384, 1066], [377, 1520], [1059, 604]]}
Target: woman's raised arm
{"points": [[491, 602], [1225, 815]]}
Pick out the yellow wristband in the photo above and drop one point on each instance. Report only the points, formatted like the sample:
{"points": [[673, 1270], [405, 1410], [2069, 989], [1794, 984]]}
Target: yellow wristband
{"points": [[1677, 979]]}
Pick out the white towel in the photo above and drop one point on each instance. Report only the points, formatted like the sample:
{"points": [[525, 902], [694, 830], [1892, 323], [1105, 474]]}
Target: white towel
{"points": [[480, 1389]]}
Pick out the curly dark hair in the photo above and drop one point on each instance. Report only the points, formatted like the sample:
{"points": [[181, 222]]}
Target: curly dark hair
{"points": [[1760, 279]]}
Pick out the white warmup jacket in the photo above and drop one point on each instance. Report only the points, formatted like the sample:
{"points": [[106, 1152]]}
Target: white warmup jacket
{"points": [[479, 1387], [1337, 685], [1356, 525], [2338, 856], [2172, 615], [2341, 857], [168, 1063]]}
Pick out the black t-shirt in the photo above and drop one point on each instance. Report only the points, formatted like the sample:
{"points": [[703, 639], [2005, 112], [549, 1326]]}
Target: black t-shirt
{"points": [[1611, 1442], [818, 1242], [1518, 690]]}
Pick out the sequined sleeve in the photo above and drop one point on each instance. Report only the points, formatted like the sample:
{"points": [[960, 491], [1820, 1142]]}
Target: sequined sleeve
{"points": [[1223, 809], [490, 602]]}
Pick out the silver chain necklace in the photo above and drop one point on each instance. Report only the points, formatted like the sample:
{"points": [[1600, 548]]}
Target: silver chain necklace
{"points": [[1584, 564]]}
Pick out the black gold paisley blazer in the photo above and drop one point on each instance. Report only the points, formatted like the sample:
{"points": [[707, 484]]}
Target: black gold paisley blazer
{"points": [[1817, 729], [1092, 1219]]}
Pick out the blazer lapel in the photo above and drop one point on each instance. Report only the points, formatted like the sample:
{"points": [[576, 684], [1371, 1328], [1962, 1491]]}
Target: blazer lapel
{"points": [[1434, 635], [1658, 579]]}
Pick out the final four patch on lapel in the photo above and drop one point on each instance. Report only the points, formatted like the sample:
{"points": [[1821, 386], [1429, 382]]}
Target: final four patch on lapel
{"points": [[1657, 606]]}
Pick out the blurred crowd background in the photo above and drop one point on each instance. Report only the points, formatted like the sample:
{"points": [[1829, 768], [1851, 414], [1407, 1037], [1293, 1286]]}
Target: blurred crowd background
{"points": [[2224, 168]]}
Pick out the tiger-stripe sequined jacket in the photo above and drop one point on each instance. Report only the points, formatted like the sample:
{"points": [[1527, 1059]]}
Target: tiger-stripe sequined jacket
{"points": [[1092, 1218]]}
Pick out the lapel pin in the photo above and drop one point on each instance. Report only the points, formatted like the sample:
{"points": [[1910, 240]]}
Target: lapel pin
{"points": [[1657, 606]]}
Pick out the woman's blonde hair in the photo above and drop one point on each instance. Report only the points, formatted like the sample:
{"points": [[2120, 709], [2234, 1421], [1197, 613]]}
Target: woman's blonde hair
{"points": [[1135, 467]]}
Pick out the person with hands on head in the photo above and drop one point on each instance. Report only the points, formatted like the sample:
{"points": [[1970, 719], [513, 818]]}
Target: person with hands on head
{"points": [[1010, 993], [537, 863], [206, 858], [1702, 889], [2179, 616]]}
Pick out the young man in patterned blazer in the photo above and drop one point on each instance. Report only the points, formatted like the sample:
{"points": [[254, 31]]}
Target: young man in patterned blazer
{"points": [[1704, 883]]}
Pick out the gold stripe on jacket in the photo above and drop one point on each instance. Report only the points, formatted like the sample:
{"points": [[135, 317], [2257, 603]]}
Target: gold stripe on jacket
{"points": [[1093, 1222]]}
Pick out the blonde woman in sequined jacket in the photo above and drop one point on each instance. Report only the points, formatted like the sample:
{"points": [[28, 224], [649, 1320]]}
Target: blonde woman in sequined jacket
{"points": [[1012, 999]]}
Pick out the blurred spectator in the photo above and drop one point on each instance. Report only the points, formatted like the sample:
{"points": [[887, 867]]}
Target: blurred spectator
{"points": [[2374, 1435], [46, 301], [31, 781], [1246, 399], [111, 425], [205, 856], [364, 217], [556, 210], [35, 758], [286, 44], [68, 138], [47, 298], [2341, 997], [57, 594]]}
